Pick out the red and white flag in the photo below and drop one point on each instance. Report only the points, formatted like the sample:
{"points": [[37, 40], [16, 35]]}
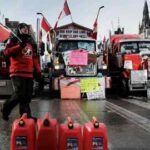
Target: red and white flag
{"points": [[65, 12], [94, 33], [4, 33], [45, 25]]}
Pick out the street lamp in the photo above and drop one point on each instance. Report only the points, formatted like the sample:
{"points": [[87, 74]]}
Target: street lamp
{"points": [[39, 13], [99, 10]]}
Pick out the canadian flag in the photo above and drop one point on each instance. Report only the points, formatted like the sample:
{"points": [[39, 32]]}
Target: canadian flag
{"points": [[4, 33], [65, 12], [94, 33], [45, 25]]}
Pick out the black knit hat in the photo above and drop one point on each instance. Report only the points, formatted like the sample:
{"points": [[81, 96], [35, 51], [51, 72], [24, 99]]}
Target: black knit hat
{"points": [[22, 25]]}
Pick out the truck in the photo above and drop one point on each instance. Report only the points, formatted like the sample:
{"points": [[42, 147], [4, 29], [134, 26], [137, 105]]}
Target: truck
{"points": [[69, 57], [5, 82], [128, 62]]}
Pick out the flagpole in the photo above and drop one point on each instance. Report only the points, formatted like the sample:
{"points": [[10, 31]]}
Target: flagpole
{"points": [[71, 18]]}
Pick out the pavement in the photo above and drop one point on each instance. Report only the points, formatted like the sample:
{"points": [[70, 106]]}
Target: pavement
{"points": [[127, 120]]}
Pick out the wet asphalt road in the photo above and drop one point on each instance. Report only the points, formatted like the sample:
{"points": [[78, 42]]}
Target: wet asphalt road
{"points": [[127, 119]]}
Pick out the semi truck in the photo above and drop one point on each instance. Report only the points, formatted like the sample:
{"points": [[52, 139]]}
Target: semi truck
{"points": [[5, 82], [128, 62], [74, 58]]}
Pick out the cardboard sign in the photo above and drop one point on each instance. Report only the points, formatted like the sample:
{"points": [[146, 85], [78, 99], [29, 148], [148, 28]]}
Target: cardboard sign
{"points": [[138, 76], [89, 85], [128, 64], [66, 57], [98, 94], [78, 58]]}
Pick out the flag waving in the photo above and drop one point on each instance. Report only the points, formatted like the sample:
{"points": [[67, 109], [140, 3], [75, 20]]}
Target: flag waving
{"points": [[45, 25], [94, 34], [4, 33], [95, 26], [65, 12]]}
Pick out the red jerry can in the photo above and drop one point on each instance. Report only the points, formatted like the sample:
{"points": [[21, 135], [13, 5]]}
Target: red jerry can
{"points": [[23, 135], [70, 136], [95, 136], [47, 131]]}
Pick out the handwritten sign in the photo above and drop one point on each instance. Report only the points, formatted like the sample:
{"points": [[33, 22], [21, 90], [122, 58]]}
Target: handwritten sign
{"points": [[138, 76], [66, 57], [78, 58], [89, 85], [98, 94]]}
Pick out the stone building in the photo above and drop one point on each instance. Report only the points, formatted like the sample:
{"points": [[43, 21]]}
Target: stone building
{"points": [[144, 27]]}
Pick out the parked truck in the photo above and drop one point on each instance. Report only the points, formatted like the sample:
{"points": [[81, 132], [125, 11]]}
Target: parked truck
{"points": [[128, 62], [5, 82], [74, 57]]}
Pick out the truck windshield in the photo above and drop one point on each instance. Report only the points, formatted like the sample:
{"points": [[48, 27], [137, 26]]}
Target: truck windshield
{"points": [[73, 45], [135, 47]]}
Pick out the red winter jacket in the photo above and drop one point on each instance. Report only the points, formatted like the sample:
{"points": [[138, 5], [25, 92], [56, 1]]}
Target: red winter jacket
{"points": [[22, 60]]}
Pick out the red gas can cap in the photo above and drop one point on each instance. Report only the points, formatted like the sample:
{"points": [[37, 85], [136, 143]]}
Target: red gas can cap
{"points": [[70, 123], [46, 122], [21, 123], [95, 122]]}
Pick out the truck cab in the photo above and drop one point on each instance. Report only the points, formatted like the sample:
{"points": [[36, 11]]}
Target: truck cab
{"points": [[128, 63], [73, 57]]}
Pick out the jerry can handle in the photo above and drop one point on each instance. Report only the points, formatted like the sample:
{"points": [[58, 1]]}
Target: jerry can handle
{"points": [[46, 120], [21, 121], [95, 122], [70, 122]]}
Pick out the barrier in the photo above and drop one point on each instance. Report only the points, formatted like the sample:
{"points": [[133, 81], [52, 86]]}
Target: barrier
{"points": [[95, 136], [47, 131], [23, 135], [70, 136]]}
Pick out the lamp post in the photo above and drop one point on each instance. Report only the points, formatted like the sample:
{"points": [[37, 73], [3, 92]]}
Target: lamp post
{"points": [[99, 11], [38, 39], [38, 27]]}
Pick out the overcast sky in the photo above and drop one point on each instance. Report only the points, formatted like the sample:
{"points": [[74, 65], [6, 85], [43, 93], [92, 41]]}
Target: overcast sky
{"points": [[126, 13]]}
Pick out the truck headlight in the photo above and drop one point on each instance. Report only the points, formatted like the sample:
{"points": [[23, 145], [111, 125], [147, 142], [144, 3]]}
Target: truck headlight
{"points": [[59, 66], [104, 66]]}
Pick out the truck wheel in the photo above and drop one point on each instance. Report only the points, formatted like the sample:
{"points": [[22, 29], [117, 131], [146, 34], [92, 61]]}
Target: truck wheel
{"points": [[124, 89]]}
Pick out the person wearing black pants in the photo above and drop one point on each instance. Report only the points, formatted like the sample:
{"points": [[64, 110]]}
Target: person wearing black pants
{"points": [[24, 60]]}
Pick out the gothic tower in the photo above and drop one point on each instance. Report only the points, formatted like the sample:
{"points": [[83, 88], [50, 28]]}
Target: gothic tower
{"points": [[144, 28]]}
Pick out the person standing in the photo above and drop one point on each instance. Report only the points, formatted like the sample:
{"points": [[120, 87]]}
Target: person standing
{"points": [[23, 61]]}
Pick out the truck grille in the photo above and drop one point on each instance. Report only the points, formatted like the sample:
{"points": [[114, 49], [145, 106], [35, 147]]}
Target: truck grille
{"points": [[89, 70]]}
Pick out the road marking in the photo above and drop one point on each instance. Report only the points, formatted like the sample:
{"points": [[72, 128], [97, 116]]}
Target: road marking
{"points": [[133, 117], [138, 103]]}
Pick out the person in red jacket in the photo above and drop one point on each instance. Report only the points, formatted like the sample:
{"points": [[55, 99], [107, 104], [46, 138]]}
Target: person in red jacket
{"points": [[23, 61]]}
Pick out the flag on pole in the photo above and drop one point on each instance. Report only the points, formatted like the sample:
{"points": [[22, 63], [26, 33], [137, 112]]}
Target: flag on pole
{"points": [[65, 12], [45, 25], [94, 33], [4, 33]]}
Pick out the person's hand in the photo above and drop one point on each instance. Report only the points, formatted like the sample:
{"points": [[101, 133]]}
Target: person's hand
{"points": [[37, 76]]}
